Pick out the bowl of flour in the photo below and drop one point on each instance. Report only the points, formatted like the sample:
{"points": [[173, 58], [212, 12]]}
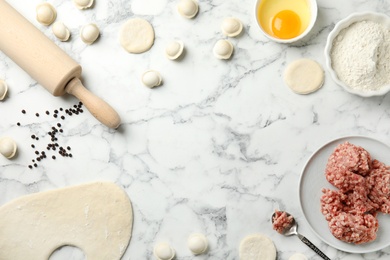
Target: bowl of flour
{"points": [[357, 54]]}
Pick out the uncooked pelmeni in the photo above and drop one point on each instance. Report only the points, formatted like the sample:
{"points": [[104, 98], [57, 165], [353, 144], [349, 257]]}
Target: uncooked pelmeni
{"points": [[297, 256], [151, 78], [163, 251], [223, 49], [3, 89], [46, 13], [257, 247], [304, 76], [8, 147], [174, 50], [61, 31], [231, 26], [96, 217], [197, 243], [136, 35], [89, 33], [188, 8], [83, 4]]}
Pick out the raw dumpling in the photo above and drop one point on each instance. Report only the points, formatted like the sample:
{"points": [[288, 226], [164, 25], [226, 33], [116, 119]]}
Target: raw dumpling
{"points": [[46, 13], [89, 33]]}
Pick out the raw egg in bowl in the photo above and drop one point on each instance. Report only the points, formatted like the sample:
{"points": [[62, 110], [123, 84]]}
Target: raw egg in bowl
{"points": [[286, 21]]}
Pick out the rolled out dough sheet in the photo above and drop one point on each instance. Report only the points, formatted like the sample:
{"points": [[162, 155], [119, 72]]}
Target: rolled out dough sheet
{"points": [[95, 217]]}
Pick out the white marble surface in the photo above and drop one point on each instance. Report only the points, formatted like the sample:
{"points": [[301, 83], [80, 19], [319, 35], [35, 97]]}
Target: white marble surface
{"points": [[214, 150]]}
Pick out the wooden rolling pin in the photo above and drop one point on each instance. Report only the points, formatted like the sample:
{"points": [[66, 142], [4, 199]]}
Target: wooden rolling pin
{"points": [[48, 64]]}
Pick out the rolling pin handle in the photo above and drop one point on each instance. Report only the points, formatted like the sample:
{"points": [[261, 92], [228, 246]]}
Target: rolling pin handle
{"points": [[98, 107]]}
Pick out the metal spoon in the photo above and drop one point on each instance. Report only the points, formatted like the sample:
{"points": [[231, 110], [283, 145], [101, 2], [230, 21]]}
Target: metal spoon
{"points": [[292, 230]]}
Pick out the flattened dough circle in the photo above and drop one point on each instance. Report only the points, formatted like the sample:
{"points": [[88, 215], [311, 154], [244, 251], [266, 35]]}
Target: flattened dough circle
{"points": [[257, 247], [304, 76], [136, 35], [95, 217]]}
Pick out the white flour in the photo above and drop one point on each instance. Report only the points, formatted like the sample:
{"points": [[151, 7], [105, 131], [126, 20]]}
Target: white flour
{"points": [[361, 55]]}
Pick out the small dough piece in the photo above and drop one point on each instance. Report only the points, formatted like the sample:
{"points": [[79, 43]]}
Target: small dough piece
{"points": [[298, 256], [223, 49], [188, 8], [163, 251], [83, 4], [3, 89], [46, 13], [8, 147], [151, 78], [61, 31], [136, 35], [304, 76], [89, 33], [257, 247], [174, 50], [95, 217], [231, 27], [197, 243]]}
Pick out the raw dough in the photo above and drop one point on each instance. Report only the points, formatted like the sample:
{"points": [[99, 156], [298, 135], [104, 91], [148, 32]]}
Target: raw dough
{"points": [[8, 148], [96, 217], [197, 243], [46, 13], [163, 251], [151, 78], [89, 33], [304, 76], [231, 27], [83, 4], [3, 89], [174, 50], [61, 31], [223, 49], [257, 247], [136, 35]]}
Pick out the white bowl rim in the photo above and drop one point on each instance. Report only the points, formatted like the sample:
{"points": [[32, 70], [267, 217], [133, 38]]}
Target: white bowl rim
{"points": [[313, 18], [340, 25]]}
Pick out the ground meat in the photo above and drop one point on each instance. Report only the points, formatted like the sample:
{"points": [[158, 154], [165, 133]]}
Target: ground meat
{"points": [[281, 221], [357, 229], [347, 165], [364, 189], [378, 184]]}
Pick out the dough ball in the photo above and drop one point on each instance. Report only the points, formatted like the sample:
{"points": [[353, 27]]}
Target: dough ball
{"points": [[304, 76], [151, 78], [298, 256], [163, 251], [197, 243], [257, 247], [61, 31], [46, 13], [188, 8], [136, 35], [89, 33], [231, 27], [223, 49], [83, 4], [3, 89], [8, 147]]}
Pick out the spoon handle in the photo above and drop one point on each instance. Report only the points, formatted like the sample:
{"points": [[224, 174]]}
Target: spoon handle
{"points": [[312, 246]]}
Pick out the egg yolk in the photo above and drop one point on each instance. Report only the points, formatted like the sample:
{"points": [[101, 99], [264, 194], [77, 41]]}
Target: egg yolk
{"points": [[286, 24]]}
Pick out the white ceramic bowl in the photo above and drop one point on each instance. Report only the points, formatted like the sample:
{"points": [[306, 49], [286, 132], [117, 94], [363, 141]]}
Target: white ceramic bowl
{"points": [[313, 18], [352, 18]]}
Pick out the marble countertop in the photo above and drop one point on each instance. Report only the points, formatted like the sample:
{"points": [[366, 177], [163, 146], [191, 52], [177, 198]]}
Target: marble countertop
{"points": [[216, 149]]}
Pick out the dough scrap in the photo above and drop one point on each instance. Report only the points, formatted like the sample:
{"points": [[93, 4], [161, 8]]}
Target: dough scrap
{"points": [[304, 76], [95, 217], [136, 35], [257, 247]]}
